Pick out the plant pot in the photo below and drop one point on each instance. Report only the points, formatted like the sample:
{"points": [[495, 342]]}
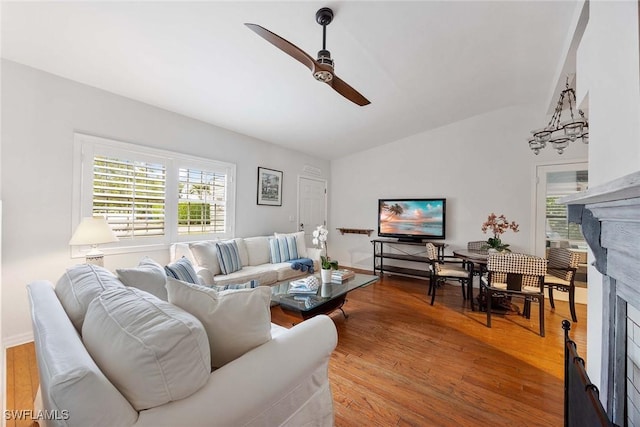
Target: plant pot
{"points": [[325, 274], [493, 251]]}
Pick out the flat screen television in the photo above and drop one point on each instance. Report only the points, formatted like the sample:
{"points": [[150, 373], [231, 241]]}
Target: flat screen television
{"points": [[412, 219]]}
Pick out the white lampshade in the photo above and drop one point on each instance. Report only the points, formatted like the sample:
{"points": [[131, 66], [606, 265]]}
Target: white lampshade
{"points": [[93, 231]]}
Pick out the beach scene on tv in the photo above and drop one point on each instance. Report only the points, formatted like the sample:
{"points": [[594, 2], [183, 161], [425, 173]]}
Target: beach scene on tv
{"points": [[411, 217]]}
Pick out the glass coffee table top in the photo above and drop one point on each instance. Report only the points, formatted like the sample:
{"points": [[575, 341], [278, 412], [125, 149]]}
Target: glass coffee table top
{"points": [[326, 294]]}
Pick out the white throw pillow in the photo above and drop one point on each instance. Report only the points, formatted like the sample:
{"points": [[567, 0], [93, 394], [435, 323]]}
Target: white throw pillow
{"points": [[148, 276], [236, 321], [79, 285], [300, 243], [152, 351], [206, 256], [258, 250]]}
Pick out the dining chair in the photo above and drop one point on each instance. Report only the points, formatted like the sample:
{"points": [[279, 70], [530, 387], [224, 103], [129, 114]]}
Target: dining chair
{"points": [[478, 245], [516, 275], [561, 273], [441, 270]]}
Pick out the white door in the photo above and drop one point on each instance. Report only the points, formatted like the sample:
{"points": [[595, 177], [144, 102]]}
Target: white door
{"points": [[551, 226], [312, 205]]}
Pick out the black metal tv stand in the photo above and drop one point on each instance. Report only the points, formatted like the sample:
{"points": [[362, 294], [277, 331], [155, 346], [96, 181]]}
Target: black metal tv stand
{"points": [[411, 251]]}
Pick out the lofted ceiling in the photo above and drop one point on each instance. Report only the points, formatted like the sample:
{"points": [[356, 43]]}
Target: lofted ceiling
{"points": [[422, 64]]}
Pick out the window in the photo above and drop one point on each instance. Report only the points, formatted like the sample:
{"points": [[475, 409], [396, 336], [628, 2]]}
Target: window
{"points": [[131, 195], [201, 202], [151, 196]]}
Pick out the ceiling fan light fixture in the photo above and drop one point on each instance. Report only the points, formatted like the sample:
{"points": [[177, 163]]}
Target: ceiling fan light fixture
{"points": [[323, 76]]}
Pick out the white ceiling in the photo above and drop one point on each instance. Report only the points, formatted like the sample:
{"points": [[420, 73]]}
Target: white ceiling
{"points": [[422, 64]]}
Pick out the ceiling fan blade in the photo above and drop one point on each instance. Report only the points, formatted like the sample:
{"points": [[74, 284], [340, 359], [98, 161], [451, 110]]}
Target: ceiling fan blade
{"points": [[347, 91], [284, 45]]}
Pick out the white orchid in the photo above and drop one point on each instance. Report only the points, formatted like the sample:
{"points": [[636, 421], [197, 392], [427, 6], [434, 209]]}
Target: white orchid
{"points": [[320, 236]]}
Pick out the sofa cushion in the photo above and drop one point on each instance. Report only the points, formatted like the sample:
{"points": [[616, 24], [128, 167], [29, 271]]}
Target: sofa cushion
{"points": [[182, 269], [205, 255], [300, 242], [152, 351], [285, 272], [79, 285], [228, 257], [264, 273], [148, 276], [258, 250], [236, 321], [283, 248]]}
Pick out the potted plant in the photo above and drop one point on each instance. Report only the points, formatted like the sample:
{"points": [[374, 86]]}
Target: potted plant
{"points": [[498, 226], [327, 264]]}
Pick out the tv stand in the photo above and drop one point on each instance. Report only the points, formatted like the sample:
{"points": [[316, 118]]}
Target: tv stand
{"points": [[410, 240], [407, 251]]}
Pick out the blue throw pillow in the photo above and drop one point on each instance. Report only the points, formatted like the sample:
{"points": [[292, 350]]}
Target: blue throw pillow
{"points": [[228, 257], [283, 248], [183, 270]]}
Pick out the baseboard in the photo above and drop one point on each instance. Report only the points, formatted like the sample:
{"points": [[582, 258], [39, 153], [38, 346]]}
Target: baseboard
{"points": [[17, 340]]}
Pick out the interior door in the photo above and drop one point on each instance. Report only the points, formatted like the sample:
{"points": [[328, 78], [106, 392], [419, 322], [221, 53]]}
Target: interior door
{"points": [[552, 227], [312, 205]]}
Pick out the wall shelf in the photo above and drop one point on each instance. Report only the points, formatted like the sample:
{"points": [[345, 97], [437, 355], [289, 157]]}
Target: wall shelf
{"points": [[355, 231]]}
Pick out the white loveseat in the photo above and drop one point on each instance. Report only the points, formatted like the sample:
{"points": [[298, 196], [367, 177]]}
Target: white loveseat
{"points": [[255, 257], [282, 382]]}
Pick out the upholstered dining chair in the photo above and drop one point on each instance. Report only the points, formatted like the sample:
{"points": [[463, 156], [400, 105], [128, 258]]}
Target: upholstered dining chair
{"points": [[516, 275], [441, 270], [561, 273]]}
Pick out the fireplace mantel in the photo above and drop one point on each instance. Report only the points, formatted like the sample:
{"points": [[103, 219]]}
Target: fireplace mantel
{"points": [[610, 219]]}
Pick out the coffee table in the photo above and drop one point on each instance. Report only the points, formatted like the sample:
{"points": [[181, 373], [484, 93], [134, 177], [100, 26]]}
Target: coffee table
{"points": [[329, 297]]}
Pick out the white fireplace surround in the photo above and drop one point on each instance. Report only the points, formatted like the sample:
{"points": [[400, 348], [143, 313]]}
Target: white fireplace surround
{"points": [[610, 219]]}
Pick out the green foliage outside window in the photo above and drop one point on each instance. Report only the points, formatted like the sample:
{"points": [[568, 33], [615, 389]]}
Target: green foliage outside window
{"points": [[193, 212]]}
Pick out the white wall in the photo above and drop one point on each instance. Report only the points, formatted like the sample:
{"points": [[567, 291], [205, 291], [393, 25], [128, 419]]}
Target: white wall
{"points": [[481, 165], [40, 113], [609, 80]]}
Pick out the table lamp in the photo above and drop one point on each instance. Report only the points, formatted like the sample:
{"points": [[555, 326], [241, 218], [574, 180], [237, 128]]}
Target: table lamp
{"points": [[93, 231]]}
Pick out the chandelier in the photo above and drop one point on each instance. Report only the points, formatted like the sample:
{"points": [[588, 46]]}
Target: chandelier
{"points": [[557, 132]]}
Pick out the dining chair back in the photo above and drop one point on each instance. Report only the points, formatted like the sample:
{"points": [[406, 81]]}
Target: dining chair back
{"points": [[441, 270], [561, 273], [520, 275], [477, 245]]}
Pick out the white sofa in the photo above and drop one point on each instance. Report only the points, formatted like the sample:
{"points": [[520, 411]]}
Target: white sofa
{"points": [[283, 382], [255, 258]]}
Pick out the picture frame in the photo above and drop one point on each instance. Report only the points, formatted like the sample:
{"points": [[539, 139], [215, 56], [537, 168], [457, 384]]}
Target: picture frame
{"points": [[269, 187]]}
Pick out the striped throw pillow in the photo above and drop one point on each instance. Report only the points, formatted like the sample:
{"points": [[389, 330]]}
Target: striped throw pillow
{"points": [[183, 270], [228, 257], [283, 248], [249, 285]]}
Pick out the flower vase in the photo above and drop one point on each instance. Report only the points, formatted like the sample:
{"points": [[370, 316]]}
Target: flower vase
{"points": [[493, 251], [325, 274]]}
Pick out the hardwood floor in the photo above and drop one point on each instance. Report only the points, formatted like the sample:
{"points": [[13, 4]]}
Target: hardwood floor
{"points": [[402, 362], [22, 383]]}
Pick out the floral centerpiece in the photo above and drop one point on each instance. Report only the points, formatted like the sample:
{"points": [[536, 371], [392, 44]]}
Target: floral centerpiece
{"points": [[498, 225], [320, 238]]}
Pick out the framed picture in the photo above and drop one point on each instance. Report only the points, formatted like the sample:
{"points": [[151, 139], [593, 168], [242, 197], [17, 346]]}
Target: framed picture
{"points": [[269, 187]]}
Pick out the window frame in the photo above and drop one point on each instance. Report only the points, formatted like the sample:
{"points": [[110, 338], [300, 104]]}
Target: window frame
{"points": [[86, 147]]}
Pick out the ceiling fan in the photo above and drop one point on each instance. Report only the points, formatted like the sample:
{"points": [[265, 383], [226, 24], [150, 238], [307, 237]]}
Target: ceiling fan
{"points": [[322, 68]]}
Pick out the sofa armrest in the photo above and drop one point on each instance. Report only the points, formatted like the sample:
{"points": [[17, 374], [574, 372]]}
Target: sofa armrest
{"points": [[264, 386]]}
